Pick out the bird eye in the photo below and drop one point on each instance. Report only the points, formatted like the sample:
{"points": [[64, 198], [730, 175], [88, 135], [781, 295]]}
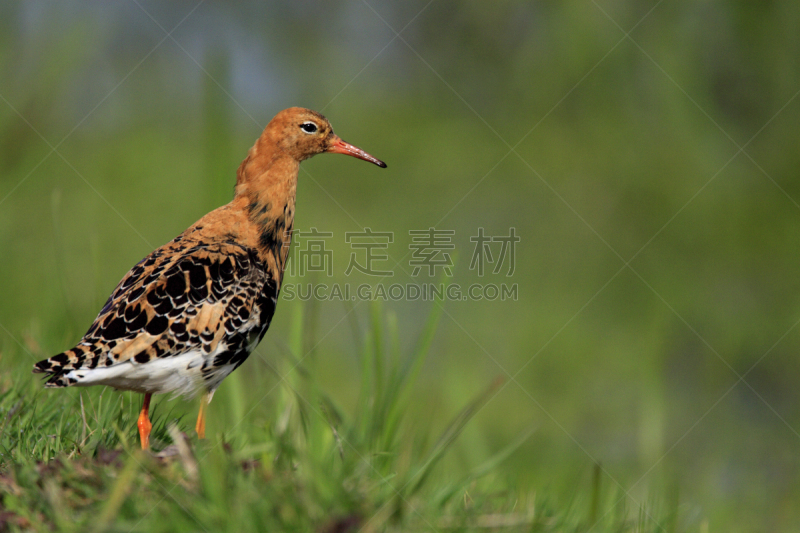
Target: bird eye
{"points": [[308, 127]]}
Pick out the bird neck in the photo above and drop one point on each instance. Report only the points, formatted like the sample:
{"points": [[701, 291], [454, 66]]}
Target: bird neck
{"points": [[266, 187]]}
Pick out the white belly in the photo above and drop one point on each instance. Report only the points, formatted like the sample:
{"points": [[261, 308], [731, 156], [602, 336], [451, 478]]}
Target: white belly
{"points": [[180, 374]]}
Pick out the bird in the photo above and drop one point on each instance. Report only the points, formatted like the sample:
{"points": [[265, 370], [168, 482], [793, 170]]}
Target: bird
{"points": [[191, 312]]}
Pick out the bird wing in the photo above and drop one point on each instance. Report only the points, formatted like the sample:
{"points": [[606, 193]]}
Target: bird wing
{"points": [[179, 298]]}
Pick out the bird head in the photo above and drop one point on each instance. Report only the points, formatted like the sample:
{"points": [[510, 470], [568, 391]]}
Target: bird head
{"points": [[302, 133]]}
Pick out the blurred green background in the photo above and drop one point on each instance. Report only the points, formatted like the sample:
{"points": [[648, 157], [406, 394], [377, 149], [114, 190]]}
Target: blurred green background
{"points": [[644, 152]]}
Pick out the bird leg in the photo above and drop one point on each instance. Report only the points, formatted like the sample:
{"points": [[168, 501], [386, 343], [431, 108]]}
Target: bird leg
{"points": [[200, 427], [144, 422]]}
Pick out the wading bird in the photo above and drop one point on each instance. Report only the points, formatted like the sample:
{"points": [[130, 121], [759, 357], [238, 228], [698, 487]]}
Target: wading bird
{"points": [[190, 313]]}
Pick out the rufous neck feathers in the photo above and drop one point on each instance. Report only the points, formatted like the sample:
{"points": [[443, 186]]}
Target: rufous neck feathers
{"points": [[266, 186]]}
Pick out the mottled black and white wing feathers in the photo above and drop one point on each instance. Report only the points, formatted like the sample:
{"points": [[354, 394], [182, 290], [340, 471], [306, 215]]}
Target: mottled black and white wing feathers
{"points": [[182, 319]]}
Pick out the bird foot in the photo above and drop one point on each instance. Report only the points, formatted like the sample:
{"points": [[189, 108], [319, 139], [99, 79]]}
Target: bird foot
{"points": [[144, 423], [144, 430]]}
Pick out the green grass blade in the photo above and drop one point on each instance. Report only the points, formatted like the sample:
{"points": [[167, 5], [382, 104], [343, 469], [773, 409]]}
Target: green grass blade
{"points": [[450, 434]]}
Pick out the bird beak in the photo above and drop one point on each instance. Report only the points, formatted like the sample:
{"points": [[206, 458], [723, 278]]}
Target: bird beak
{"points": [[338, 146]]}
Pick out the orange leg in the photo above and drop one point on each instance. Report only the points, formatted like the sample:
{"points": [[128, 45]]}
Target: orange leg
{"points": [[200, 427], [144, 423]]}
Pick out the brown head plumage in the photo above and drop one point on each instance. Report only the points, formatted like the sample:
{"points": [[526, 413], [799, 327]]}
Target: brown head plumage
{"points": [[301, 133]]}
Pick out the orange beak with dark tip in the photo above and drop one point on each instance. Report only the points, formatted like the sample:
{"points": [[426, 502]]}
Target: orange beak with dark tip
{"points": [[338, 146]]}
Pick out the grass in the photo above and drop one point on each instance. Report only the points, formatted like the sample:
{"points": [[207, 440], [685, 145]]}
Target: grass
{"points": [[312, 467]]}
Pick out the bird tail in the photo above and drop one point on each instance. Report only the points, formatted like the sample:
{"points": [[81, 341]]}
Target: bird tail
{"points": [[56, 368]]}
